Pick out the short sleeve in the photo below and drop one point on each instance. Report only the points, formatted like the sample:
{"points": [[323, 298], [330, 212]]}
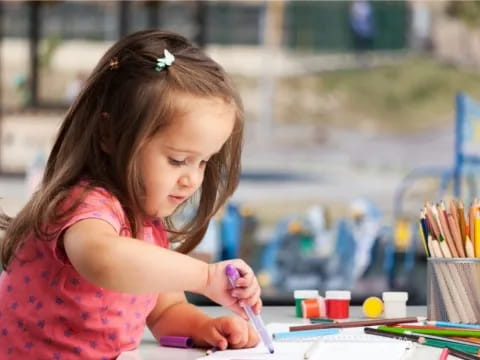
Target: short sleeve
{"points": [[97, 203]]}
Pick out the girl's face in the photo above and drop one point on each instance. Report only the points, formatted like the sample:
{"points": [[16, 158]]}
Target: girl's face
{"points": [[172, 163]]}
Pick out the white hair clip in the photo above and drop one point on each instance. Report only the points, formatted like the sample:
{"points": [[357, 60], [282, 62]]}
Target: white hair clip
{"points": [[164, 62]]}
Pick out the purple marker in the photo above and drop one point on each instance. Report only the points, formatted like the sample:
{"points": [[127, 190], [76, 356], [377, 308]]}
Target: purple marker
{"points": [[256, 320], [176, 341]]}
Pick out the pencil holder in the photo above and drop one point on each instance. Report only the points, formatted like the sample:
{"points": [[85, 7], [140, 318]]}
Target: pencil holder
{"points": [[453, 290]]}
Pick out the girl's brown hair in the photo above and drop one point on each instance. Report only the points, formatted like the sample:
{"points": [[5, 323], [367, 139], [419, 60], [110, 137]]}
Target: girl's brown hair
{"points": [[123, 104]]}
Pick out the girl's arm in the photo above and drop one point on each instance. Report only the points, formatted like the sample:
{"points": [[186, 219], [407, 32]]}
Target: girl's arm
{"points": [[130, 265], [174, 316]]}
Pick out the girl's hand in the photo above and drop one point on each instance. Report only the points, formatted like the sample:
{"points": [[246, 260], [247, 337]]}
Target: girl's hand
{"points": [[246, 292], [226, 332]]}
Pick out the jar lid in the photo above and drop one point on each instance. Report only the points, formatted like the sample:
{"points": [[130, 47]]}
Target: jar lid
{"points": [[305, 294], [338, 294], [395, 296]]}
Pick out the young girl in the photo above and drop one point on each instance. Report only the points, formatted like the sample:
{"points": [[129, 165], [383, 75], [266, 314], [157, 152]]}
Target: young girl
{"points": [[157, 124]]}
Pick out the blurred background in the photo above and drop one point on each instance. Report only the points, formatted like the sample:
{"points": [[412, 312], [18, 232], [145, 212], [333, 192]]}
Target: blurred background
{"points": [[356, 113]]}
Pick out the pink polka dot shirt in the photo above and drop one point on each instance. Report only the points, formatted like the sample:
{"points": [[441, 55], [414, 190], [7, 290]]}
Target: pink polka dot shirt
{"points": [[48, 311]]}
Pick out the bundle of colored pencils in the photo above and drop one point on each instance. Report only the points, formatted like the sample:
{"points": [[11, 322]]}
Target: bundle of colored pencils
{"points": [[461, 340], [455, 284], [449, 230]]}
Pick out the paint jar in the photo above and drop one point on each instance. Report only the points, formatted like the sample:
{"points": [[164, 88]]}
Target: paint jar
{"points": [[300, 295], [337, 304], [372, 307], [395, 304], [314, 308]]}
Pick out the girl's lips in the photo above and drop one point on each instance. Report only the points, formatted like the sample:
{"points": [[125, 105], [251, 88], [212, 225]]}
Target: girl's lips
{"points": [[177, 199]]}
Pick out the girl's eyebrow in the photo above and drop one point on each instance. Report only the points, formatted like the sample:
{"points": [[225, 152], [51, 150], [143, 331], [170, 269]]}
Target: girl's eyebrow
{"points": [[172, 148], [182, 150]]}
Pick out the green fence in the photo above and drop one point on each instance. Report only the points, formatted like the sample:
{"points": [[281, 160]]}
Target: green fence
{"points": [[325, 25]]}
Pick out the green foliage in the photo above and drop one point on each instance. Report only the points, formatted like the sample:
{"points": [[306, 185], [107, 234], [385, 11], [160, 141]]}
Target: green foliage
{"points": [[47, 49], [467, 11], [416, 94]]}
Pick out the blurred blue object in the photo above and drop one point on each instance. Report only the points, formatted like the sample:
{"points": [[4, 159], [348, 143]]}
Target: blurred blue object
{"points": [[290, 258], [357, 236], [231, 232], [467, 138], [467, 158]]}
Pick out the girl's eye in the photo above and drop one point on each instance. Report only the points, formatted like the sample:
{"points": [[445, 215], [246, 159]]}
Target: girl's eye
{"points": [[175, 162]]}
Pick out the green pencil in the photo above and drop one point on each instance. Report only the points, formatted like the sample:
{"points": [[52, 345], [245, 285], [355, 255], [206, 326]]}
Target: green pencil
{"points": [[322, 321], [439, 332], [447, 344]]}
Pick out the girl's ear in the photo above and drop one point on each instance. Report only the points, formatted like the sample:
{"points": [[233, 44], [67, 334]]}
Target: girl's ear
{"points": [[105, 138]]}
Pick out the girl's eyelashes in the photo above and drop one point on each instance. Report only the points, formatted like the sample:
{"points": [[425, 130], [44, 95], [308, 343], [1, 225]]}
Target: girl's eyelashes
{"points": [[176, 162]]}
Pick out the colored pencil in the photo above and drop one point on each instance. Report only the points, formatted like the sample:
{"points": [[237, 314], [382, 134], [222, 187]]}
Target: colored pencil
{"points": [[450, 332], [446, 231], [421, 339], [458, 341], [457, 236], [404, 337], [447, 324], [471, 222], [443, 344], [360, 323], [312, 349], [469, 248], [445, 283], [305, 334], [322, 321], [422, 230], [211, 351], [476, 242], [463, 355], [444, 354], [461, 220], [432, 221]]}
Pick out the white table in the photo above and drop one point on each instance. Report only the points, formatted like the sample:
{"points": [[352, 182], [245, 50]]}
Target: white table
{"points": [[150, 350]]}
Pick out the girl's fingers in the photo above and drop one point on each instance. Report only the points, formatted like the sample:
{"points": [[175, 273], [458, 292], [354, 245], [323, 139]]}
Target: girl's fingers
{"points": [[214, 338], [245, 293], [246, 272], [242, 282], [238, 333], [237, 309], [257, 307], [252, 300], [253, 338]]}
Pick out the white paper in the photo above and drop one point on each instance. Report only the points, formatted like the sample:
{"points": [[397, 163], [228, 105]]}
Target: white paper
{"points": [[350, 343]]}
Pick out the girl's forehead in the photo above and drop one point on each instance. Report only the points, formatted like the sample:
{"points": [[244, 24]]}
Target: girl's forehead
{"points": [[200, 125]]}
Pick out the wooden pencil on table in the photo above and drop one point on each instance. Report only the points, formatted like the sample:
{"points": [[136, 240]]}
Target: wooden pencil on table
{"points": [[359, 323]]}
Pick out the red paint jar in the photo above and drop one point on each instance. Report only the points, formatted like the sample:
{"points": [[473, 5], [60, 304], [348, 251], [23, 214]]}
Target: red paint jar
{"points": [[338, 304]]}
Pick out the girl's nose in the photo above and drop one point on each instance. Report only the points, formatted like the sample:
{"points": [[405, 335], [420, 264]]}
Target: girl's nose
{"points": [[192, 179]]}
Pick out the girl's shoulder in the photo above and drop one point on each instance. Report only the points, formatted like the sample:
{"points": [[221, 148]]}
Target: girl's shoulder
{"points": [[85, 192], [85, 200]]}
